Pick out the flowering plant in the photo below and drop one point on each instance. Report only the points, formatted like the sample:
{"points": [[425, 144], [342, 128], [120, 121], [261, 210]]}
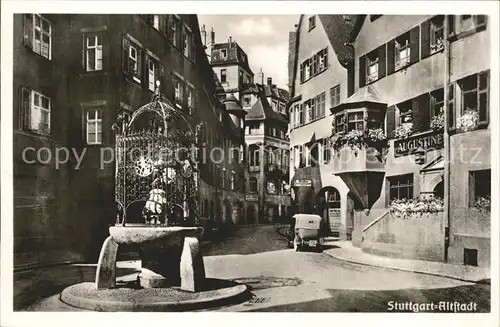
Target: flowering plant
{"points": [[402, 63], [359, 139], [468, 121], [437, 122], [483, 204], [404, 208], [439, 45], [403, 131]]}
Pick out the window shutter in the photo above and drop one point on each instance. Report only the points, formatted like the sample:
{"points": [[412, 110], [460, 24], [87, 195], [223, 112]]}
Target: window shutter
{"points": [[28, 30], [145, 73], [390, 56], [126, 46], [451, 25], [414, 44], [451, 106], [362, 71], [426, 38], [391, 120], [421, 112], [139, 64], [381, 61], [84, 49], [24, 108]]}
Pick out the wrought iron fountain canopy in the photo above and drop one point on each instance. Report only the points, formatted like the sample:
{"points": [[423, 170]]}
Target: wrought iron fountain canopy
{"points": [[156, 171]]}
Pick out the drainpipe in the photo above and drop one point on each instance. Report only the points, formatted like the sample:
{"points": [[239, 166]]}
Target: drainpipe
{"points": [[447, 66]]}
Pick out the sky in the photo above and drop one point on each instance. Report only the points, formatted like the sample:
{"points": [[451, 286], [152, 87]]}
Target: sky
{"points": [[264, 38]]}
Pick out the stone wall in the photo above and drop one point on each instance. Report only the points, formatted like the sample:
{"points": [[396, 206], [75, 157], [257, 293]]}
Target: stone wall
{"points": [[421, 236]]}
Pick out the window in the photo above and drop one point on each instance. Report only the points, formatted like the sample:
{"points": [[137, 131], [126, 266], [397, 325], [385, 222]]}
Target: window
{"points": [[320, 105], [299, 156], [340, 123], [178, 91], [335, 96], [190, 99], [372, 67], [355, 121], [188, 43], [132, 59], [151, 75], [322, 60], [470, 22], [38, 34], [301, 114], [402, 51], [35, 112], [156, 22], [252, 183], [254, 155], [312, 154], [282, 107], [310, 105], [174, 30], [275, 105], [437, 33], [246, 100], [314, 65], [405, 112], [475, 94], [401, 187], [223, 53], [312, 22], [94, 126], [437, 102], [223, 77], [93, 53], [479, 185], [232, 180], [326, 151]]}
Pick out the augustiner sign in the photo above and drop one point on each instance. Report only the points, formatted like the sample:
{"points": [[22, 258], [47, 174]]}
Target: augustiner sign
{"points": [[430, 141]]}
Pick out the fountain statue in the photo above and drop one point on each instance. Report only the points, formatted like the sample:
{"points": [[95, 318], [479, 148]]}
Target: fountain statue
{"points": [[156, 191]]}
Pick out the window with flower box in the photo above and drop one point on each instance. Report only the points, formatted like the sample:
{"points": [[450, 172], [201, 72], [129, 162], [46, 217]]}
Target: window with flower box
{"points": [[37, 36], [35, 112], [475, 95], [432, 32], [401, 187], [355, 121], [402, 51], [372, 66], [479, 186], [405, 112]]}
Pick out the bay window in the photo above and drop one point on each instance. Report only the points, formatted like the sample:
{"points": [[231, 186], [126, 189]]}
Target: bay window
{"points": [[340, 123], [355, 121]]}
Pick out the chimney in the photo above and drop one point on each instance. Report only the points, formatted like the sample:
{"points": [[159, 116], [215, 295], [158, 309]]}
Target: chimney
{"points": [[261, 76], [270, 81], [230, 41], [212, 38]]}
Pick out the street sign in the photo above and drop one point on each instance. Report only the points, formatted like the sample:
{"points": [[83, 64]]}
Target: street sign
{"points": [[252, 197], [303, 182]]}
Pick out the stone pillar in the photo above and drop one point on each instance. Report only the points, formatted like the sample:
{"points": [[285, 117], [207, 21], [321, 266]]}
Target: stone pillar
{"points": [[192, 266], [106, 266]]}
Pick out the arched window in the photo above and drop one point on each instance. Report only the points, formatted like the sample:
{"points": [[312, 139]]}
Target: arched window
{"points": [[253, 185]]}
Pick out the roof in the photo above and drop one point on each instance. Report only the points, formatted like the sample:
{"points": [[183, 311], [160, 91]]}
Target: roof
{"points": [[233, 105], [261, 110], [236, 55], [367, 94], [267, 91]]}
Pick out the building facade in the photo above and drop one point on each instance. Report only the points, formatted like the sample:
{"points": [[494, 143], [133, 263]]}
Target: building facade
{"points": [[418, 83], [319, 63], [74, 75], [265, 122]]}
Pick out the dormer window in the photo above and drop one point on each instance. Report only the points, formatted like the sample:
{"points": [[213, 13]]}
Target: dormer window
{"points": [[246, 100], [223, 53]]}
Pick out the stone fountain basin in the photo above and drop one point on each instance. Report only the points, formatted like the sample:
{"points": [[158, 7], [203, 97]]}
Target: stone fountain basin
{"points": [[144, 234]]}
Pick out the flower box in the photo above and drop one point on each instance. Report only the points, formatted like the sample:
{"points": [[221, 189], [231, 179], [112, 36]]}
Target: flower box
{"points": [[468, 121], [403, 131]]}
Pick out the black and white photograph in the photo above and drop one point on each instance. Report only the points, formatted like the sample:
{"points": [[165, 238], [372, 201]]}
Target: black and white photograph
{"points": [[296, 160]]}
